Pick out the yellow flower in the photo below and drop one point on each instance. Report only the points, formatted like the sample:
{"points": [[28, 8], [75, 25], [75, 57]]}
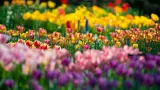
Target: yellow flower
{"points": [[77, 46], [43, 4], [27, 15], [30, 2], [23, 35], [118, 10], [118, 44], [51, 4], [135, 45], [154, 17]]}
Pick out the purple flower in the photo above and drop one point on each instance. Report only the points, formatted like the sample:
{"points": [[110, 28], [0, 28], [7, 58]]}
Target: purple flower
{"points": [[9, 83], [128, 84], [149, 65], [132, 64], [105, 68], [92, 81], [158, 62], [66, 61], [77, 75], [148, 79], [121, 70], [56, 74], [102, 83], [138, 76], [37, 74], [77, 82], [98, 72], [63, 80], [113, 64], [49, 74], [36, 86], [134, 57], [149, 57], [89, 75], [157, 79]]}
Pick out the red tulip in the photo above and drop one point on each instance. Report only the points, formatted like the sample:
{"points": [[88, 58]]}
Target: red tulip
{"points": [[118, 1], [110, 5], [36, 44], [64, 1], [125, 7]]}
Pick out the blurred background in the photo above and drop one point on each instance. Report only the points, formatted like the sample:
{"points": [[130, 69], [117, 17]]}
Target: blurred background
{"points": [[145, 6]]}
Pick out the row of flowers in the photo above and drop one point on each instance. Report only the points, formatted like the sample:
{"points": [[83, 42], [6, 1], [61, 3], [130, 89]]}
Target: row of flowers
{"points": [[113, 16], [146, 40], [95, 16], [109, 68]]}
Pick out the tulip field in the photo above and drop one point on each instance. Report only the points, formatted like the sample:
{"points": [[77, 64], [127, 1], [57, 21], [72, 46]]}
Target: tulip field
{"points": [[44, 46]]}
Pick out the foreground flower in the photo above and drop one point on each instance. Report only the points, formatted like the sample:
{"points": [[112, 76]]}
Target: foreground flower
{"points": [[154, 17], [9, 83]]}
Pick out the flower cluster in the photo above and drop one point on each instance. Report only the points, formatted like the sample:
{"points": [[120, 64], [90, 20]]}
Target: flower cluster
{"points": [[97, 16], [137, 37]]}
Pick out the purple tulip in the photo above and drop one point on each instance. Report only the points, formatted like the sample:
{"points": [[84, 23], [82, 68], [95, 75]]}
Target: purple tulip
{"points": [[138, 76], [92, 81], [63, 80], [148, 79], [149, 65], [132, 64], [89, 75], [49, 74], [102, 83], [105, 68], [77, 75], [37, 74], [77, 82], [36, 86], [134, 57], [157, 79], [113, 64], [149, 57], [9, 83], [98, 72], [158, 62], [66, 61]]}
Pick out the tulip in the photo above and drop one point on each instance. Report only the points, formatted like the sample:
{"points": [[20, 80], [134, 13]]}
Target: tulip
{"points": [[9, 83], [37, 74]]}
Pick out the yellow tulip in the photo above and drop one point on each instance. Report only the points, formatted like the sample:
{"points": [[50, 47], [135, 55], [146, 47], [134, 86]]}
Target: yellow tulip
{"points": [[154, 17], [30, 2], [135, 45], [51, 4], [23, 35], [27, 16], [43, 5]]}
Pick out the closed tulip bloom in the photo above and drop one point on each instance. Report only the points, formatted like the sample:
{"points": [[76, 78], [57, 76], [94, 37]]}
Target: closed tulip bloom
{"points": [[37, 74], [9, 83], [63, 80]]}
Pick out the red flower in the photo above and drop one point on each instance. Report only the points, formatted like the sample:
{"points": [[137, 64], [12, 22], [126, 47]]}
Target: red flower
{"points": [[28, 43], [43, 46], [110, 5], [118, 1], [36, 44], [125, 7], [64, 1], [61, 11], [100, 29]]}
